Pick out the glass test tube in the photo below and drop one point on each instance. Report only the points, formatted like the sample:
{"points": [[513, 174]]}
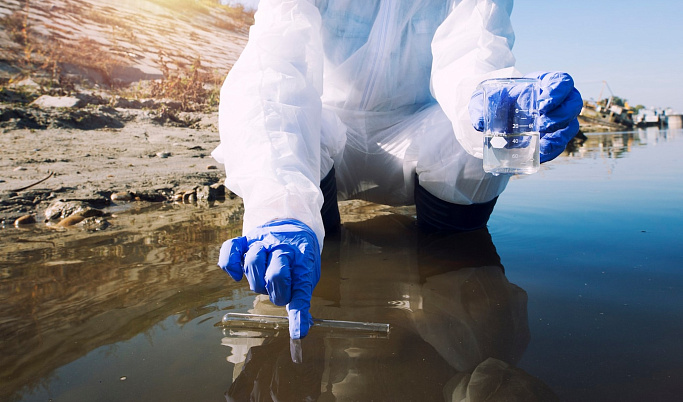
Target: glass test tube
{"points": [[259, 321]]}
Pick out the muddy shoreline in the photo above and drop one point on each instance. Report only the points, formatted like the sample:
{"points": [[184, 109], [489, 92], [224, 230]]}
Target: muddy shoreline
{"points": [[146, 159]]}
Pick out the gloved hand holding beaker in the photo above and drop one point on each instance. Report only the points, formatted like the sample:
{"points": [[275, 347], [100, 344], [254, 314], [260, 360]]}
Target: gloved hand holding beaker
{"points": [[280, 259], [559, 104]]}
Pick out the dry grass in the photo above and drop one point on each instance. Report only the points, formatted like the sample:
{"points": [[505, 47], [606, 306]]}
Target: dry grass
{"points": [[19, 30], [230, 17], [16, 26], [188, 85], [62, 63], [106, 20]]}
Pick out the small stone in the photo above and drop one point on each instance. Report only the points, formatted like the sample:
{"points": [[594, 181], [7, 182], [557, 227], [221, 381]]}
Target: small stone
{"points": [[25, 220], [164, 154], [211, 167], [122, 196], [71, 220], [79, 217], [187, 194], [47, 101], [27, 82], [123, 378], [18, 169], [62, 209]]}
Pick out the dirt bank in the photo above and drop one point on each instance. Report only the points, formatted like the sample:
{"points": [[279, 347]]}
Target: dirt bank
{"points": [[143, 160]]}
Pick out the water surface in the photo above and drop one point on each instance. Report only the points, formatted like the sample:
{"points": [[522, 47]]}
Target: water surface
{"points": [[573, 292]]}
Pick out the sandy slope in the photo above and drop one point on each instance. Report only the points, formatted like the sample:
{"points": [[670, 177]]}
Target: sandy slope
{"points": [[132, 33]]}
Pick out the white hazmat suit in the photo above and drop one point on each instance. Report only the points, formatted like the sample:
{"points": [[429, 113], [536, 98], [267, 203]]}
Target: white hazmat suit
{"points": [[376, 88]]}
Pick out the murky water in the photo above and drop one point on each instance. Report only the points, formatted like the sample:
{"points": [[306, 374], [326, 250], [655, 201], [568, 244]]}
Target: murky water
{"points": [[574, 292]]}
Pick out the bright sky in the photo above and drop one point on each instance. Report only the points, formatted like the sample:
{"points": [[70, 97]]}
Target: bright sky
{"points": [[635, 46]]}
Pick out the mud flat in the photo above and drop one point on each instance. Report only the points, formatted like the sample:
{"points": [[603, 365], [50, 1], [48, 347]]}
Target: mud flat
{"points": [[142, 161]]}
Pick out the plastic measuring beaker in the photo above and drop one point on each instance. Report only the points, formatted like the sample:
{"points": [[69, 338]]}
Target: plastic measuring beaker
{"points": [[511, 137]]}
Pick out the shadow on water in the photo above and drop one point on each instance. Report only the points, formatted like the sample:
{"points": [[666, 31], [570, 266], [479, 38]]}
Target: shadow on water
{"points": [[132, 312]]}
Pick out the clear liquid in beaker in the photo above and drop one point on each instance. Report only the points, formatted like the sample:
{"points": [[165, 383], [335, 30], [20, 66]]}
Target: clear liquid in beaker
{"points": [[511, 153]]}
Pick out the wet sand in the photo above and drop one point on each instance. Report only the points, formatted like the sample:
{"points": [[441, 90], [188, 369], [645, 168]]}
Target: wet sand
{"points": [[141, 158]]}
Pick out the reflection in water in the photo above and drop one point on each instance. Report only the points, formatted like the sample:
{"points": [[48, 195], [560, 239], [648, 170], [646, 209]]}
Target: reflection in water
{"points": [[615, 145], [458, 325], [64, 294]]}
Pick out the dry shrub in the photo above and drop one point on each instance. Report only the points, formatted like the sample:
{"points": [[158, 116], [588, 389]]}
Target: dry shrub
{"points": [[104, 19], [19, 30], [239, 13], [16, 26], [88, 55], [186, 85], [233, 18], [48, 56], [202, 6]]}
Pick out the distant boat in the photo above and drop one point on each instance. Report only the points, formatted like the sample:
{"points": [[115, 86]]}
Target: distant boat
{"points": [[652, 117], [605, 113], [613, 117]]}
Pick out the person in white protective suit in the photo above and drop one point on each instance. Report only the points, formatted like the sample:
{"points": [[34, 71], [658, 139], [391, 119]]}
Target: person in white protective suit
{"points": [[367, 99]]}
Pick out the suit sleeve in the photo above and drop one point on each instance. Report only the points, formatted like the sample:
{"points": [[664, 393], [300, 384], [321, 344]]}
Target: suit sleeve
{"points": [[270, 117], [474, 43]]}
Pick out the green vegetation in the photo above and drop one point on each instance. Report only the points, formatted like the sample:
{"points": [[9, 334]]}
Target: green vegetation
{"points": [[618, 101]]}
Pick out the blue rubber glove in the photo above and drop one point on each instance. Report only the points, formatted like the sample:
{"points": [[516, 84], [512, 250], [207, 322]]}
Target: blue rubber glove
{"points": [[280, 259], [559, 105]]}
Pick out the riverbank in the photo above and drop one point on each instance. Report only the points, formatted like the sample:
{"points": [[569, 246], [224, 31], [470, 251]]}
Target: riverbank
{"points": [[103, 105], [142, 161]]}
